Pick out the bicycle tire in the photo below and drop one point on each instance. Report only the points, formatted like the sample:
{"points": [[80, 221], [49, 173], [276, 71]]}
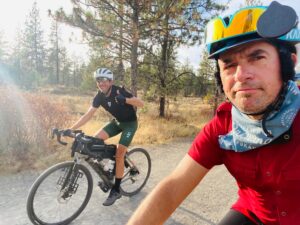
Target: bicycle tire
{"points": [[33, 212], [141, 159]]}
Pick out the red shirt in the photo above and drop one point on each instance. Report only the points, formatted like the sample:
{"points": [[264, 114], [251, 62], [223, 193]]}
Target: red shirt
{"points": [[268, 177]]}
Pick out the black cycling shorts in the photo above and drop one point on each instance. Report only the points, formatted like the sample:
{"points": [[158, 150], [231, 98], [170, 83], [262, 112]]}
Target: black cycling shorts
{"points": [[236, 218]]}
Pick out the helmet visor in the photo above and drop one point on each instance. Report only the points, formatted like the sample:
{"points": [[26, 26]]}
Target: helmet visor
{"points": [[242, 22]]}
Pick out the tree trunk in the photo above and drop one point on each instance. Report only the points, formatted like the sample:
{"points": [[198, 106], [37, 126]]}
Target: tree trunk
{"points": [[121, 70], [134, 47], [162, 103], [164, 68]]}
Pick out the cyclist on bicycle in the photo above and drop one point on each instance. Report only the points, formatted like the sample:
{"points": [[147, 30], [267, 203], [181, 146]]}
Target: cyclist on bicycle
{"points": [[255, 134], [120, 104]]}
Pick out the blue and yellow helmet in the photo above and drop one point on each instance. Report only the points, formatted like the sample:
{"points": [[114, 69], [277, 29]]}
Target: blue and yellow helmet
{"points": [[246, 25]]}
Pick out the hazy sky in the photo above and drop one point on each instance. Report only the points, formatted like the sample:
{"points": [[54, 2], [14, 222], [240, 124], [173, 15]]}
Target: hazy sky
{"points": [[14, 12], [13, 15]]}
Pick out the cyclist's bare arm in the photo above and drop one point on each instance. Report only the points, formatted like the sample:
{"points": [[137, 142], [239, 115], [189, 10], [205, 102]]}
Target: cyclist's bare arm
{"points": [[84, 119], [169, 193], [135, 102]]}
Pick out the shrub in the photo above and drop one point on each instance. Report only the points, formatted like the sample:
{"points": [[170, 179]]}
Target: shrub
{"points": [[25, 120]]}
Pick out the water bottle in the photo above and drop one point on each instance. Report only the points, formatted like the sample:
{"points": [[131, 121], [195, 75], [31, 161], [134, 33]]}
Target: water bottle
{"points": [[109, 166], [101, 163]]}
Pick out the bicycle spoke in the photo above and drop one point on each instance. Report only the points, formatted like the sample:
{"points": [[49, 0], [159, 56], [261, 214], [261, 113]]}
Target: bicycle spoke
{"points": [[137, 172], [49, 203]]}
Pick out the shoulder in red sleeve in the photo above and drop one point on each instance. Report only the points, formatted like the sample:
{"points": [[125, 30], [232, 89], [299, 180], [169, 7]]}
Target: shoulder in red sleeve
{"points": [[205, 148]]}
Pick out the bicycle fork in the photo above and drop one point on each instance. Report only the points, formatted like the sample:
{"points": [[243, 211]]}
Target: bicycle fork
{"points": [[69, 181]]}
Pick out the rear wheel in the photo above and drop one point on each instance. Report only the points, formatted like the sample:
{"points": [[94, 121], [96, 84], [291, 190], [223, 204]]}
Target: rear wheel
{"points": [[59, 194], [137, 171]]}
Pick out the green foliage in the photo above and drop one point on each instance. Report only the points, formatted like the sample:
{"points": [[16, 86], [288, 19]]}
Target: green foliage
{"points": [[33, 42], [136, 39], [55, 54], [206, 84], [31, 79], [184, 20], [88, 83], [32, 65], [125, 31]]}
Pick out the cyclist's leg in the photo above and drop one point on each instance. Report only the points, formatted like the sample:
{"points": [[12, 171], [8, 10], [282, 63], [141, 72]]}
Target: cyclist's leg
{"points": [[128, 131], [102, 134], [109, 130], [234, 217]]}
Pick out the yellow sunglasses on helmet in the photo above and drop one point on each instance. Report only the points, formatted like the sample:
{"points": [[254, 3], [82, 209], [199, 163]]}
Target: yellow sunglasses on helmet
{"points": [[242, 22]]}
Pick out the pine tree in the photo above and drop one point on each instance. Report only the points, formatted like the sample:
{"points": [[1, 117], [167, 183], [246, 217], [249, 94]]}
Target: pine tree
{"points": [[206, 73], [172, 24], [66, 68], [116, 25], [208, 84], [127, 30], [17, 58], [33, 45], [55, 53]]}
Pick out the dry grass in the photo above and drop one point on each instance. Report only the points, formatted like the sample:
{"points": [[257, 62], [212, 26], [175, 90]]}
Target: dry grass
{"points": [[184, 118], [25, 119]]}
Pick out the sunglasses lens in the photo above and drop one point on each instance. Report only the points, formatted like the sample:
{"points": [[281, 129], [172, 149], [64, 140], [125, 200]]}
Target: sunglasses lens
{"points": [[242, 22], [102, 79]]}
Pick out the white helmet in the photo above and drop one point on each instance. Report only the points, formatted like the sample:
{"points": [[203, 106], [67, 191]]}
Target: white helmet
{"points": [[103, 72]]}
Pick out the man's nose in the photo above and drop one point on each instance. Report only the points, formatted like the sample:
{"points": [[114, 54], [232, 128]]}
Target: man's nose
{"points": [[243, 73]]}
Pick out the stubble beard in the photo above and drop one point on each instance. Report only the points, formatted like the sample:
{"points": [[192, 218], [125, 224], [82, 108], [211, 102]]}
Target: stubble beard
{"points": [[249, 104]]}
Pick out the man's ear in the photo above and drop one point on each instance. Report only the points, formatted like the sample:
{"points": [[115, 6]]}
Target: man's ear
{"points": [[294, 58]]}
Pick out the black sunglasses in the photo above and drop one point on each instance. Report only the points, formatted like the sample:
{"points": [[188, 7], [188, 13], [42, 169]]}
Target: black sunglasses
{"points": [[102, 79]]}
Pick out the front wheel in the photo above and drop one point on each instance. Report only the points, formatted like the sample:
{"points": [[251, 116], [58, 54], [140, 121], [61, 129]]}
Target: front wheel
{"points": [[137, 171], [59, 194]]}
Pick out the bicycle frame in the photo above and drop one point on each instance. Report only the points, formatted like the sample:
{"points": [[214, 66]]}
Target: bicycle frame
{"points": [[73, 180], [98, 169], [81, 150]]}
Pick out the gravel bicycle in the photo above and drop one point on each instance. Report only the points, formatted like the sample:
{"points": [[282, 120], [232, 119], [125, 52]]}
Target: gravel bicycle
{"points": [[62, 191]]}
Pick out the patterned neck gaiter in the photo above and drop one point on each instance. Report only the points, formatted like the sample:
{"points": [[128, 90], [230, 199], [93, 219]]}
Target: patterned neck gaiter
{"points": [[247, 134]]}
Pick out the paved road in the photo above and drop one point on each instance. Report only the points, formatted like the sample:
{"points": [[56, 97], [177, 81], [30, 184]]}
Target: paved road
{"points": [[205, 206]]}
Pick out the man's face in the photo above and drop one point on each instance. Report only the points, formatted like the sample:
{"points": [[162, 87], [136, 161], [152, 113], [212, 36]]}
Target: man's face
{"points": [[250, 76], [104, 84]]}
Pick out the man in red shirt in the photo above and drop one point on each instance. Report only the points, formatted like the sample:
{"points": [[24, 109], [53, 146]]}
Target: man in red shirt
{"points": [[255, 134]]}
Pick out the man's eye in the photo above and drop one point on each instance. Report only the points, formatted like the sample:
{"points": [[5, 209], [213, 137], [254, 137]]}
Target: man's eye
{"points": [[228, 66], [258, 57]]}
